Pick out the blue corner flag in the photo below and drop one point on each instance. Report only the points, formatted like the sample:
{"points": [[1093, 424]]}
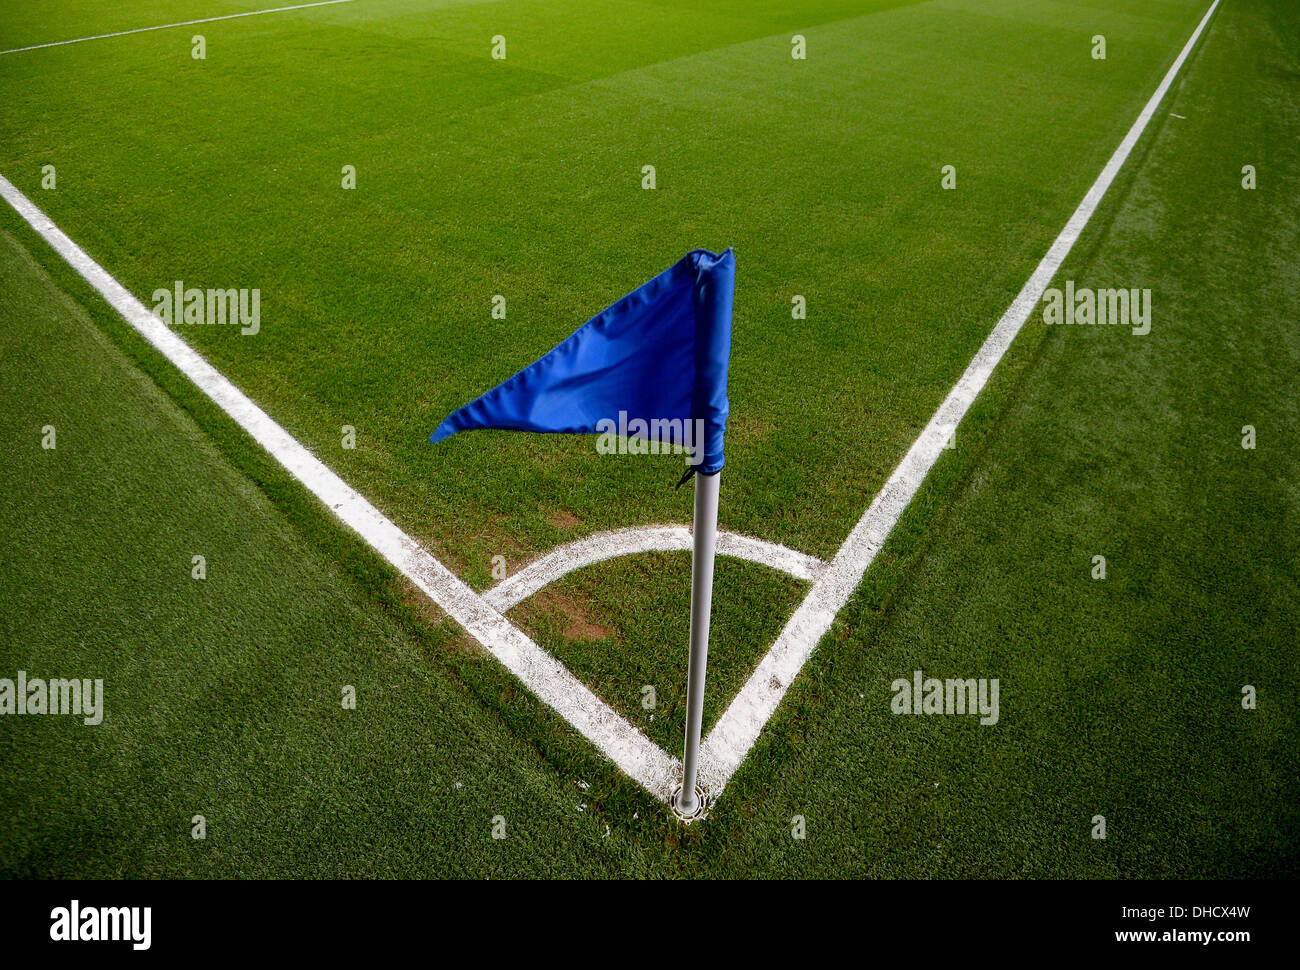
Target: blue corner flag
{"points": [[653, 365]]}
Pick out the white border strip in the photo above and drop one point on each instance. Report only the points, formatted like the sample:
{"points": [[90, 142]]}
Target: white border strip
{"points": [[540, 573], [546, 677], [180, 23], [737, 730]]}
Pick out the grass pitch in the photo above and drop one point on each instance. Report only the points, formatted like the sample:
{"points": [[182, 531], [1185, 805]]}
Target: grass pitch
{"points": [[523, 178]]}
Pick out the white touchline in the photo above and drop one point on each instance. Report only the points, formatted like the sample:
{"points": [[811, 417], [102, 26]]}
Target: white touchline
{"points": [[736, 731], [833, 583], [623, 744], [179, 23]]}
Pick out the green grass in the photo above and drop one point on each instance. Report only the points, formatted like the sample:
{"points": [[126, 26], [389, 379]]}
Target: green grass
{"points": [[223, 697], [522, 178], [1119, 697]]}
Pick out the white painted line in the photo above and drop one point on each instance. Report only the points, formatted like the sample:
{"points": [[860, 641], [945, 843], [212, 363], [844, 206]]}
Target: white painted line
{"points": [[540, 573], [771, 554], [623, 744], [736, 731], [179, 23]]}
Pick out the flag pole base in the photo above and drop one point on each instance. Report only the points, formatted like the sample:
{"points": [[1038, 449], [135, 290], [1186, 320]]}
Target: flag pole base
{"points": [[686, 818]]}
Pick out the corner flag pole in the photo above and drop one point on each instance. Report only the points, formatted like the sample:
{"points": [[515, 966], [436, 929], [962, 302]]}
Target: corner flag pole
{"points": [[706, 532]]}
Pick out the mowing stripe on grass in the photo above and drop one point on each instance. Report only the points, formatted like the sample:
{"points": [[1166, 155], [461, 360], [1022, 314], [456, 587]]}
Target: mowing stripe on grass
{"points": [[632, 751], [736, 731], [179, 23]]}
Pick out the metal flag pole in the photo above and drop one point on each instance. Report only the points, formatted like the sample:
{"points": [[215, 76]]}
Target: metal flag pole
{"points": [[687, 802]]}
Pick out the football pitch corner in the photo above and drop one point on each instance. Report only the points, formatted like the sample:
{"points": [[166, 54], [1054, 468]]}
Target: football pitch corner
{"points": [[998, 578]]}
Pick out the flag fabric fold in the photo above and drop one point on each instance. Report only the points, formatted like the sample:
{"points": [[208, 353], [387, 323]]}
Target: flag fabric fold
{"points": [[654, 365]]}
